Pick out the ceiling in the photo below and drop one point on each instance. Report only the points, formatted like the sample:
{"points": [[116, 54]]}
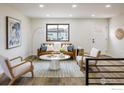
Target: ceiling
{"points": [[66, 10]]}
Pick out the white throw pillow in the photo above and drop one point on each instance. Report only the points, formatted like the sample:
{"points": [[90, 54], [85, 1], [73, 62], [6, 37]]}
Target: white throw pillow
{"points": [[65, 47], [57, 46], [50, 48]]}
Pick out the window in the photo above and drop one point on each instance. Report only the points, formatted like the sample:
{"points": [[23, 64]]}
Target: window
{"points": [[57, 32]]}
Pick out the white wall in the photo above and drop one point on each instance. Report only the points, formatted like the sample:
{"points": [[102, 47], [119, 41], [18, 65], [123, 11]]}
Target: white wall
{"points": [[116, 47], [25, 48], [80, 30]]}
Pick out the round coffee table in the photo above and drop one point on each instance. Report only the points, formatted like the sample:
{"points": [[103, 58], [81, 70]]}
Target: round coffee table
{"points": [[54, 58]]}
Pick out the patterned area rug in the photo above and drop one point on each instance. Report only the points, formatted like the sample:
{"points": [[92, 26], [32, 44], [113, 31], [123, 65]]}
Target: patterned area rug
{"points": [[68, 68]]}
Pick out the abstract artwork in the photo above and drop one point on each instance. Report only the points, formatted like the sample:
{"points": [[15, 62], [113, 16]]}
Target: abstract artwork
{"points": [[13, 30]]}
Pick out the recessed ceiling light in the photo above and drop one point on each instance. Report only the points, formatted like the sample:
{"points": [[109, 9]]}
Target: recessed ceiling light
{"points": [[47, 15], [93, 15], [107, 6], [41, 6], [70, 15], [74, 6]]}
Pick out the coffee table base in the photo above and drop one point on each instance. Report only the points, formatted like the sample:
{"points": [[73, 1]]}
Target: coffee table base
{"points": [[54, 65]]}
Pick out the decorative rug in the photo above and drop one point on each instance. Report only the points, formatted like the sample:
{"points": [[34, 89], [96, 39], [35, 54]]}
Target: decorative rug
{"points": [[68, 68]]}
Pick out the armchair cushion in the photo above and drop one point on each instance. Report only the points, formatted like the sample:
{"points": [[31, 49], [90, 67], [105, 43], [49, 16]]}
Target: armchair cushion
{"points": [[21, 68], [4, 66], [94, 52], [79, 59]]}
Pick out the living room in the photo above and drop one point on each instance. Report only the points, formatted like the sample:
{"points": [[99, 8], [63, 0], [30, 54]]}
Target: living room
{"points": [[86, 26]]}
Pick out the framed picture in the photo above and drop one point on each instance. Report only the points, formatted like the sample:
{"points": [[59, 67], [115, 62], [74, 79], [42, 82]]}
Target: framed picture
{"points": [[13, 32]]}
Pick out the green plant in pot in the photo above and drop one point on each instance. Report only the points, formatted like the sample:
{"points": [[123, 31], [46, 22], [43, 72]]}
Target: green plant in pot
{"points": [[62, 49]]}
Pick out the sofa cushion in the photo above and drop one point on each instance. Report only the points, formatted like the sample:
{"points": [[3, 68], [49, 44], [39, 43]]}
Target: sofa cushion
{"points": [[70, 48], [21, 69]]}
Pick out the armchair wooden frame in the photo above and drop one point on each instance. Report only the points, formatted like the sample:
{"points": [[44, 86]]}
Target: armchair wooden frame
{"points": [[95, 64], [20, 74]]}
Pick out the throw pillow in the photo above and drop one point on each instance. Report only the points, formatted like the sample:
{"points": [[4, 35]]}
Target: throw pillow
{"points": [[50, 48], [43, 47], [70, 48], [64, 47]]}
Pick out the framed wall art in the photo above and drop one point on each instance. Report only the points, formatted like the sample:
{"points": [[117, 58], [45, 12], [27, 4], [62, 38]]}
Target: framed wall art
{"points": [[13, 32]]}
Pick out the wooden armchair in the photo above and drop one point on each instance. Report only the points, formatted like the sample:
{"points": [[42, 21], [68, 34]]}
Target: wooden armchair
{"points": [[94, 53], [13, 69]]}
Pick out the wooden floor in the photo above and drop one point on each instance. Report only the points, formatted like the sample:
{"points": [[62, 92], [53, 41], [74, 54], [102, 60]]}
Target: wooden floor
{"points": [[72, 81], [44, 81]]}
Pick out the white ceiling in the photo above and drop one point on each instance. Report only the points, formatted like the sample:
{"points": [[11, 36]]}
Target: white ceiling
{"points": [[64, 10]]}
